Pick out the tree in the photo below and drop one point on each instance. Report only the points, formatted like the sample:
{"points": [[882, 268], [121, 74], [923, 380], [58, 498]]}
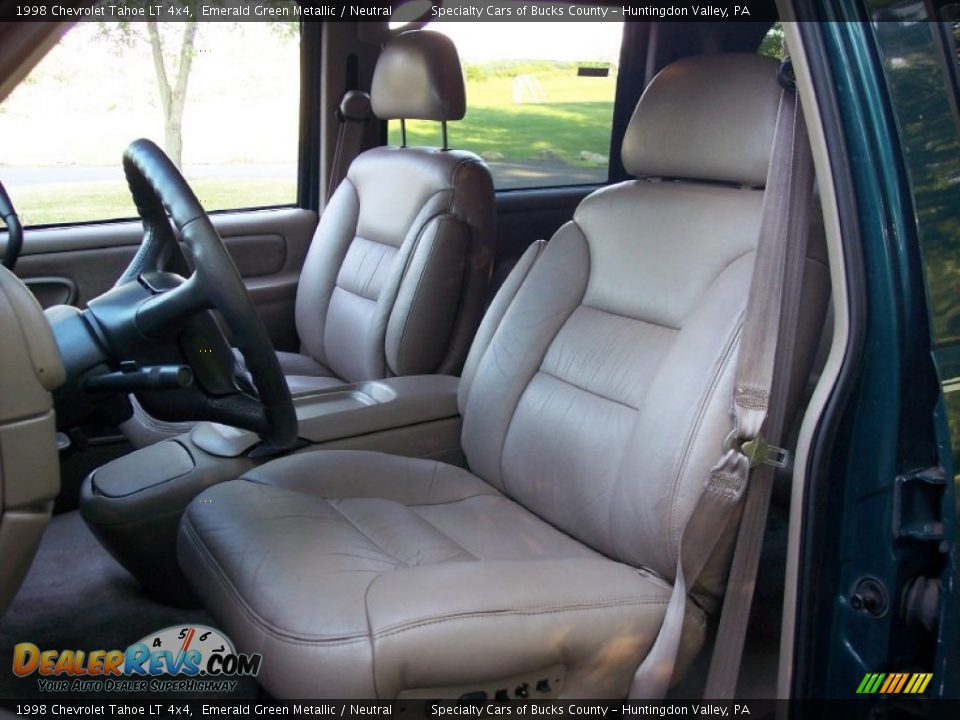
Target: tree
{"points": [[172, 48], [772, 45], [173, 95]]}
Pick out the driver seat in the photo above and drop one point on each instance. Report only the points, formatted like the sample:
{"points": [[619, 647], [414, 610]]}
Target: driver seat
{"points": [[397, 272], [595, 399], [30, 368]]}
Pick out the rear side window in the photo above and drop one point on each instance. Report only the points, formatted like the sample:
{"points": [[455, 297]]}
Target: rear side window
{"points": [[539, 100], [63, 130]]}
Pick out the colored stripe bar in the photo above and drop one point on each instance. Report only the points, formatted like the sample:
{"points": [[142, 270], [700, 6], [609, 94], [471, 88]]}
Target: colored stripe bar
{"points": [[901, 682], [914, 682], [862, 687], [894, 683]]}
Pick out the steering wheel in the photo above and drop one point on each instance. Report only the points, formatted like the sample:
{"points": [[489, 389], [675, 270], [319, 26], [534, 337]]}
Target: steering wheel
{"points": [[159, 313]]}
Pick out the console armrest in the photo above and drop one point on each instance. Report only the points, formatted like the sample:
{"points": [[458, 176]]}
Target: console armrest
{"points": [[347, 411]]}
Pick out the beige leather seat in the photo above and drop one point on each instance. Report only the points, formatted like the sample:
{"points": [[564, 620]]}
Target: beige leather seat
{"points": [[30, 368], [398, 269], [595, 399]]}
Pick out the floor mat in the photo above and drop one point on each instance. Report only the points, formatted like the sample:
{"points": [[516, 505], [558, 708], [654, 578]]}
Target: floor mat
{"points": [[78, 597]]}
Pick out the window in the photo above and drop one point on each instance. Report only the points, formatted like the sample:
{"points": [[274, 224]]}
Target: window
{"points": [[539, 100], [64, 129]]}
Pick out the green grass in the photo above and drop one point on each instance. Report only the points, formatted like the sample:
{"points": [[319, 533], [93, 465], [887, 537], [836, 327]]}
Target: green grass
{"points": [[110, 201], [575, 118]]}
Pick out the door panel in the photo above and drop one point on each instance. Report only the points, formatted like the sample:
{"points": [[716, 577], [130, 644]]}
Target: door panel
{"points": [[53, 290], [76, 264]]}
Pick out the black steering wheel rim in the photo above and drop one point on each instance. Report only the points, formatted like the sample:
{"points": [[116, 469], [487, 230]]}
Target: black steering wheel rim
{"points": [[160, 191]]}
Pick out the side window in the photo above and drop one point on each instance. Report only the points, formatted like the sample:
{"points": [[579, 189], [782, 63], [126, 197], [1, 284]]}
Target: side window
{"points": [[539, 100], [222, 99]]}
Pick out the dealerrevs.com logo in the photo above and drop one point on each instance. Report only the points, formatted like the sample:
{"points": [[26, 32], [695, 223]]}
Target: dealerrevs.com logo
{"points": [[195, 658]]}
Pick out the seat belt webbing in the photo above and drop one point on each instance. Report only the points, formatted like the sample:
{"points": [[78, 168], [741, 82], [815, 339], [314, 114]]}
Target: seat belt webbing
{"points": [[769, 329], [728, 647], [353, 114]]}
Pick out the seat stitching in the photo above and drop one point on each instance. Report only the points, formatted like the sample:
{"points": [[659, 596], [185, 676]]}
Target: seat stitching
{"points": [[356, 527], [254, 616], [337, 286], [261, 481], [444, 534], [366, 614], [373, 273], [537, 610], [572, 384], [458, 500], [630, 317]]}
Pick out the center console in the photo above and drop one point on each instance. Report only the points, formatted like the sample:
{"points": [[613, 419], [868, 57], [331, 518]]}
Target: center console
{"points": [[133, 504]]}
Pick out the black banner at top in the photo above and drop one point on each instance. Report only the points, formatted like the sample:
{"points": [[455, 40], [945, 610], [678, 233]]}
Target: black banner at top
{"points": [[397, 11]]}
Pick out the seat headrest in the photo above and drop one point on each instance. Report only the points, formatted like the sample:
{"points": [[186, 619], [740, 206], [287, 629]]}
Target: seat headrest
{"points": [[709, 117], [418, 77]]}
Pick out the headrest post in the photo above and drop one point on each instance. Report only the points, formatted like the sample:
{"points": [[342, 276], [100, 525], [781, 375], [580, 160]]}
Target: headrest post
{"points": [[403, 133], [443, 129]]}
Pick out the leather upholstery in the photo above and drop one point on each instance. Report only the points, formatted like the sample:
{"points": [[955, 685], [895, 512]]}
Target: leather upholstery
{"points": [[415, 570], [399, 292], [395, 279], [304, 374], [30, 367], [595, 399], [418, 77], [715, 132]]}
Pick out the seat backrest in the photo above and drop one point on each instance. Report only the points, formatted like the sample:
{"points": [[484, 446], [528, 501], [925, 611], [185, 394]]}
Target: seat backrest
{"points": [[603, 395], [30, 368], [395, 278]]}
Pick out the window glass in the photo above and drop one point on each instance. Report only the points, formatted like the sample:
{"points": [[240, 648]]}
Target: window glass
{"points": [[539, 100], [64, 129]]}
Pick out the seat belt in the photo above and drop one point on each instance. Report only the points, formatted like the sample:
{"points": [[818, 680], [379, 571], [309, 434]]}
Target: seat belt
{"points": [[353, 114], [761, 383]]}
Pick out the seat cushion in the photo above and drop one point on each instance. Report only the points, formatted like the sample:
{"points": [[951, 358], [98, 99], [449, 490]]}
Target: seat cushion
{"points": [[297, 364], [304, 374], [359, 574]]}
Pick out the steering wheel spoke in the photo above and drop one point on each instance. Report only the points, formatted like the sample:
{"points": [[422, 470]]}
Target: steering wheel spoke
{"points": [[169, 309]]}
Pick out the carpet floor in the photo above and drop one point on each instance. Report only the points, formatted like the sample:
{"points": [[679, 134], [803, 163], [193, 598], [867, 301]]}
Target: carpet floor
{"points": [[76, 596]]}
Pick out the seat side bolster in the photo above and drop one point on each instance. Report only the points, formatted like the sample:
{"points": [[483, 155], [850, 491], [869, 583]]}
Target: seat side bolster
{"points": [[335, 232], [494, 315], [472, 202], [577, 605], [428, 298]]}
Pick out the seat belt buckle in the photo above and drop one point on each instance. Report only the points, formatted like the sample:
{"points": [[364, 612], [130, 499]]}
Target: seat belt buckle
{"points": [[759, 452]]}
